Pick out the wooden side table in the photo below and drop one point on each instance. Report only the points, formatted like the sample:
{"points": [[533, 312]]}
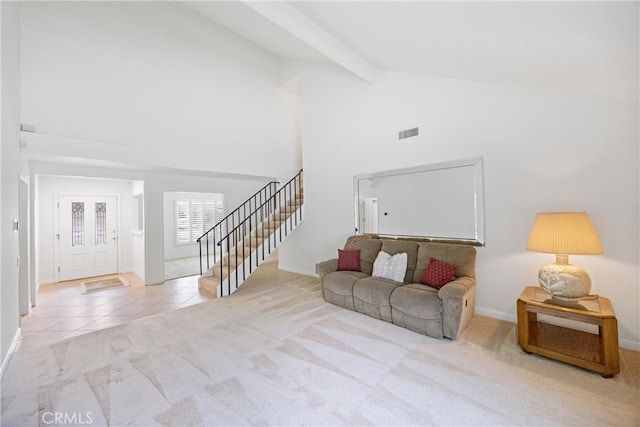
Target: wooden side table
{"points": [[598, 353]]}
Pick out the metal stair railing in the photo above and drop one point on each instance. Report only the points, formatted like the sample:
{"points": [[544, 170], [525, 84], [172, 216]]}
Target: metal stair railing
{"points": [[286, 204], [211, 237]]}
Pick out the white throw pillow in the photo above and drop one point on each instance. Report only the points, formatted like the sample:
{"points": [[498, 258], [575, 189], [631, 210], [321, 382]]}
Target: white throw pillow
{"points": [[390, 267]]}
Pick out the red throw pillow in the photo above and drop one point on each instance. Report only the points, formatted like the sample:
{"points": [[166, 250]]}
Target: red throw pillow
{"points": [[438, 273], [349, 260]]}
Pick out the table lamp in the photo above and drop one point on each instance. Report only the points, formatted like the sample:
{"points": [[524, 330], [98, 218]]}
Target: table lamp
{"points": [[564, 234]]}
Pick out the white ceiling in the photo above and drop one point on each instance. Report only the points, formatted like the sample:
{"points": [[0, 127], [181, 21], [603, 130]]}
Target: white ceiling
{"points": [[581, 46], [236, 17]]}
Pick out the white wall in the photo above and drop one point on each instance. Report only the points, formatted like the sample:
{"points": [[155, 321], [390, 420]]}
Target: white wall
{"points": [[543, 151], [153, 84], [171, 249], [3, 355], [49, 187], [10, 174], [236, 191], [137, 232]]}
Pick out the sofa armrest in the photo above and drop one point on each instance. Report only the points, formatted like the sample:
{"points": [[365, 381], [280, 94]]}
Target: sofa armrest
{"points": [[326, 267], [458, 305], [457, 288]]}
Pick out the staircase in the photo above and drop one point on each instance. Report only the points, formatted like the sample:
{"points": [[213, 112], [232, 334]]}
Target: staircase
{"points": [[232, 249]]}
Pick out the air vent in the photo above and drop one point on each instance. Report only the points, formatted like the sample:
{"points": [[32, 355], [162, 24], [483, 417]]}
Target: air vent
{"points": [[407, 133]]}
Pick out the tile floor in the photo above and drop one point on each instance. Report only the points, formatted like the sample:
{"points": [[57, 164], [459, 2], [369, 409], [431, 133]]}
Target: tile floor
{"points": [[62, 311], [181, 267]]}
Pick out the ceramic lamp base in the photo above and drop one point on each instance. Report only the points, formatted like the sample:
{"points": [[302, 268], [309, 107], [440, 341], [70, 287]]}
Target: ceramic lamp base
{"points": [[565, 282]]}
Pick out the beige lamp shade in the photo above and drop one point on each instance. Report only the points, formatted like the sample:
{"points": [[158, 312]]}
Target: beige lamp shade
{"points": [[568, 233], [564, 234]]}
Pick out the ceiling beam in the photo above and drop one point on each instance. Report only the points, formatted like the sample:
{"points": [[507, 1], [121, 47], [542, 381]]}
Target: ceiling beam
{"points": [[289, 19]]}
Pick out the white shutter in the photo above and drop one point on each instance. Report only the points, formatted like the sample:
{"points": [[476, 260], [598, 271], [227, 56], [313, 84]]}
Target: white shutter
{"points": [[219, 217], [183, 222], [209, 215], [195, 217], [219, 211]]}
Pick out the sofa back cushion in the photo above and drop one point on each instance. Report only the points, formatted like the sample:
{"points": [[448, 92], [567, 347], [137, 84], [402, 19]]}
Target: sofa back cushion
{"points": [[438, 273], [369, 249], [462, 256], [393, 247]]}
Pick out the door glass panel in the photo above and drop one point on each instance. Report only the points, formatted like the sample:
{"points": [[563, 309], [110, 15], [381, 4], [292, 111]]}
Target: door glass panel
{"points": [[101, 223], [77, 224]]}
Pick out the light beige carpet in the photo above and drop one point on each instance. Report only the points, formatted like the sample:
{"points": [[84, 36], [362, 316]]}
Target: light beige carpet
{"points": [[275, 353]]}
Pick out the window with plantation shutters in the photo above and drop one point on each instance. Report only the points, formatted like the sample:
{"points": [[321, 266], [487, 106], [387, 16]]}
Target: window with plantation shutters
{"points": [[195, 217]]}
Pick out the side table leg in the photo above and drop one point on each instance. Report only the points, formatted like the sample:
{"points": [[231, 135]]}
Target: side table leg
{"points": [[523, 326], [609, 350]]}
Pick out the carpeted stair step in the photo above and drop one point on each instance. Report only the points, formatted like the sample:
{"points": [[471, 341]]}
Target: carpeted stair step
{"points": [[281, 216], [297, 201], [231, 260], [257, 235], [253, 241], [287, 209], [263, 233], [273, 223], [215, 271], [249, 245], [210, 284], [269, 225], [268, 229]]}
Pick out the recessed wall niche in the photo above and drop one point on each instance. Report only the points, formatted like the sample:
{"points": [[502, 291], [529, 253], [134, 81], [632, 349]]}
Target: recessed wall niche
{"points": [[437, 202]]}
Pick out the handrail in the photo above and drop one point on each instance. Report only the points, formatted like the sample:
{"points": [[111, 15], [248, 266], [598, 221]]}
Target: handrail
{"points": [[237, 215], [285, 203], [264, 204], [273, 204], [237, 209]]}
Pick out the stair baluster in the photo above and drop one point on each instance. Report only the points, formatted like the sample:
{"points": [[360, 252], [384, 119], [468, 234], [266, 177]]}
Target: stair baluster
{"points": [[253, 226]]}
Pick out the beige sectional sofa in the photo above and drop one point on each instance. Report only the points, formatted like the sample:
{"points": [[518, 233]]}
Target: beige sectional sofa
{"points": [[438, 313]]}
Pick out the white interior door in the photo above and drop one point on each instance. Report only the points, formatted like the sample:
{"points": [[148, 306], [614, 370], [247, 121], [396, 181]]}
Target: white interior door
{"points": [[23, 242], [88, 236], [371, 215]]}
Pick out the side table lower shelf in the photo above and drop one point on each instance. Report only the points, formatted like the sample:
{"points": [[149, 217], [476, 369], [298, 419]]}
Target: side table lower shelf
{"points": [[596, 352]]}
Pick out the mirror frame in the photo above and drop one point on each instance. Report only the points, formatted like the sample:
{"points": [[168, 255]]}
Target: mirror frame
{"points": [[478, 189]]}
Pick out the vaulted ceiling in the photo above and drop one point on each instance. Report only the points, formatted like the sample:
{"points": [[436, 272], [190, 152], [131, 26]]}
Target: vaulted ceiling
{"points": [[577, 46]]}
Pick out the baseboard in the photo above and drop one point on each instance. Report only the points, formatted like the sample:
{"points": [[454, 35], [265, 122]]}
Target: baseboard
{"points": [[132, 270], [137, 273], [46, 282], [629, 345], [12, 348], [512, 318], [297, 271]]}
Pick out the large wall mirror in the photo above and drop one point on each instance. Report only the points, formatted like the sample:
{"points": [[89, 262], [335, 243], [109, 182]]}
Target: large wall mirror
{"points": [[438, 202]]}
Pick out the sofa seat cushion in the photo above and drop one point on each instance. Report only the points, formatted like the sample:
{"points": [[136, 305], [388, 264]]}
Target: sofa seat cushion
{"points": [[371, 296], [338, 287], [417, 307]]}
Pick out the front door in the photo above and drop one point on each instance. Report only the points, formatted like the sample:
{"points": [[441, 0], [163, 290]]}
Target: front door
{"points": [[88, 236]]}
